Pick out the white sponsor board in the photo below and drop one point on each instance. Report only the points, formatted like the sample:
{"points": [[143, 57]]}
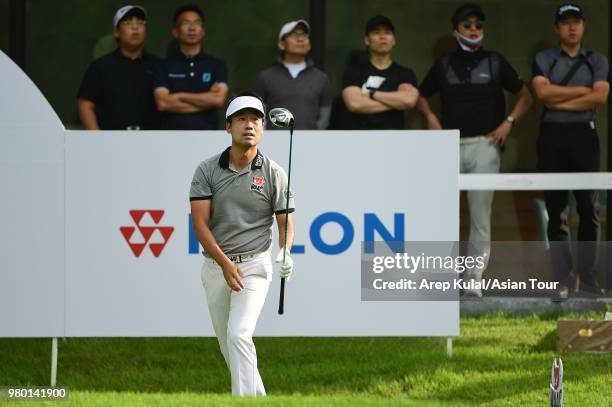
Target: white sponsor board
{"points": [[112, 292], [31, 209]]}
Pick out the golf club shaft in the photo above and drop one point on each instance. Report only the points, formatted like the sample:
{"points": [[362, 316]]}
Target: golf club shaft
{"points": [[281, 301]]}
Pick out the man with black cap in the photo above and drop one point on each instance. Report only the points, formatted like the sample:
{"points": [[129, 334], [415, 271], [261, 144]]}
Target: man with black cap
{"points": [[191, 85], [294, 82], [571, 82], [247, 191], [116, 92], [471, 83], [379, 91]]}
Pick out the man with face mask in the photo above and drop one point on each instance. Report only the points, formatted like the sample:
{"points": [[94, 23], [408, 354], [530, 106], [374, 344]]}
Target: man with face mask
{"points": [[471, 83]]}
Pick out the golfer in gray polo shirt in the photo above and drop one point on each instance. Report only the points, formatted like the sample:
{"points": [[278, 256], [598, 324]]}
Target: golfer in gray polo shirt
{"points": [[235, 196]]}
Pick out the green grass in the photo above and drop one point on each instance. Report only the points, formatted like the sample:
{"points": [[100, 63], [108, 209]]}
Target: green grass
{"points": [[497, 361]]}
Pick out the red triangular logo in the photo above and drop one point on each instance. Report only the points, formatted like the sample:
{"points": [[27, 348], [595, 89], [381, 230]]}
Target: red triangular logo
{"points": [[147, 232]]}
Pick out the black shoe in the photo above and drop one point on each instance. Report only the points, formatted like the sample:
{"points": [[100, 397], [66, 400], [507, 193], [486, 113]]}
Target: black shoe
{"points": [[590, 288]]}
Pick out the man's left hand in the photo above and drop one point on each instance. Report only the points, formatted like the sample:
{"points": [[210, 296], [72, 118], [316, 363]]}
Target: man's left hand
{"points": [[500, 134], [286, 268]]}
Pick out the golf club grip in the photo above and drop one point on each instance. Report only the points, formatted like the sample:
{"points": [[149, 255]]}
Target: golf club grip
{"points": [[281, 301]]}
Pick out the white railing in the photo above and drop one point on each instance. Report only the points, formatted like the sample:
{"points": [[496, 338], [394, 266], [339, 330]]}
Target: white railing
{"points": [[536, 181]]}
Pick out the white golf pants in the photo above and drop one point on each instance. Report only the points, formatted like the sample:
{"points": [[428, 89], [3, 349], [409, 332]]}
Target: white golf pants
{"points": [[234, 316], [478, 156]]}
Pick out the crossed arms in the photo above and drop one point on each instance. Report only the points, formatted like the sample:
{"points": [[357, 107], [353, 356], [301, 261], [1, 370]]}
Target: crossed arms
{"points": [[187, 102], [573, 98], [404, 98]]}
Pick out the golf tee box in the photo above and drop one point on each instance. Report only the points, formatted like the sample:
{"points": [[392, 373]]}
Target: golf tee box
{"points": [[584, 336]]}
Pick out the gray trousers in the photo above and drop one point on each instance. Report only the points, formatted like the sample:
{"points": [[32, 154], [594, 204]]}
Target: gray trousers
{"points": [[477, 156]]}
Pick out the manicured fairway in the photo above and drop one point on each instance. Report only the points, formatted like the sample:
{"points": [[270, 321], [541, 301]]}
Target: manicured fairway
{"points": [[498, 360]]}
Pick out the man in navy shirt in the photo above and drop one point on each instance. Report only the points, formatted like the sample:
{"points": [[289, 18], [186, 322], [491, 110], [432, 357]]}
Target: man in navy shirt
{"points": [[190, 85]]}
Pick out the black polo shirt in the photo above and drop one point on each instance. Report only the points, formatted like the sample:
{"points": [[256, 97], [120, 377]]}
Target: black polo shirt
{"points": [[366, 75], [180, 73], [471, 86], [122, 90]]}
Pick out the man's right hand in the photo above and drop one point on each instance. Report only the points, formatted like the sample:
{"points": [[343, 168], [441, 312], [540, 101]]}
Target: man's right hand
{"points": [[233, 276]]}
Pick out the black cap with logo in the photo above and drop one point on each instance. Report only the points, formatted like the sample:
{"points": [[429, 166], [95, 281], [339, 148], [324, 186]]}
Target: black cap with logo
{"points": [[566, 10]]}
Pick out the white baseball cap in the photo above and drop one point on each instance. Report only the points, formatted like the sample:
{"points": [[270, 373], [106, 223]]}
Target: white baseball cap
{"points": [[244, 102], [290, 26], [126, 9]]}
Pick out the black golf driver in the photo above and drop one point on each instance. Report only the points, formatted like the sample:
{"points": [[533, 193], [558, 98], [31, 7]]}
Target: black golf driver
{"points": [[283, 118]]}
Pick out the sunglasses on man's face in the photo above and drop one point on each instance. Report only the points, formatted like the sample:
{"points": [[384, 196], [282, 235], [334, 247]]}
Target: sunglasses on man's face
{"points": [[467, 24]]}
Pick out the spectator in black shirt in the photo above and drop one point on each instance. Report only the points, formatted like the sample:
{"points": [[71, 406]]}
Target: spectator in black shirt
{"points": [[379, 90], [471, 83], [117, 89], [190, 85]]}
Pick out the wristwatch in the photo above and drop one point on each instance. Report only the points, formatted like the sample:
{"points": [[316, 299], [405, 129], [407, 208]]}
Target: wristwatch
{"points": [[510, 119]]}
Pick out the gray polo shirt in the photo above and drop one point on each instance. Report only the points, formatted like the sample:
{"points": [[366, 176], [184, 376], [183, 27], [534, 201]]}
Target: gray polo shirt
{"points": [[243, 203], [304, 95], [554, 63]]}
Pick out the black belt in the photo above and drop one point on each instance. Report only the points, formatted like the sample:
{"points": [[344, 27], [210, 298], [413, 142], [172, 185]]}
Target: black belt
{"points": [[240, 259], [237, 259]]}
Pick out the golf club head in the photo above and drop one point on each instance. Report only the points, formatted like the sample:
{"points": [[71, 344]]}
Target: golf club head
{"points": [[281, 117]]}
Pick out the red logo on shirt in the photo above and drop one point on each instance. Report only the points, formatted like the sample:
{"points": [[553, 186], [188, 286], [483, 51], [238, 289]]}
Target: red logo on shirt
{"points": [[147, 232], [259, 180], [258, 183]]}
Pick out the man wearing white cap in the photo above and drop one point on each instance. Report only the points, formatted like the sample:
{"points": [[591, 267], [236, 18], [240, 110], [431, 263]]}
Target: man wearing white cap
{"points": [[247, 190], [116, 92], [293, 82]]}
